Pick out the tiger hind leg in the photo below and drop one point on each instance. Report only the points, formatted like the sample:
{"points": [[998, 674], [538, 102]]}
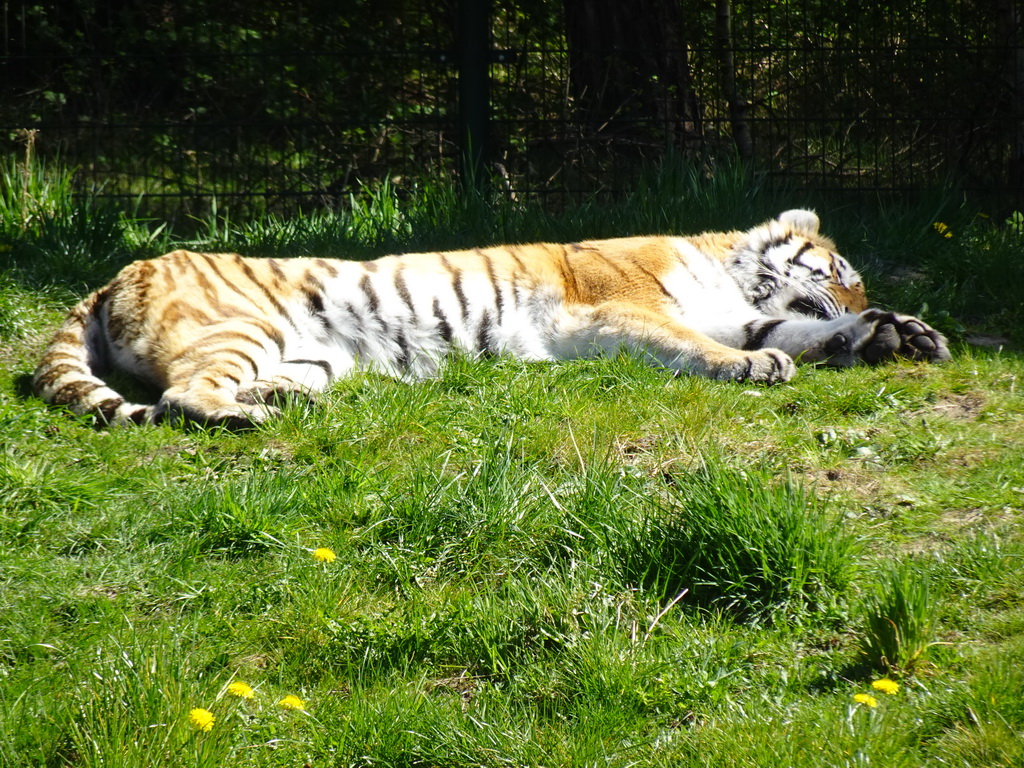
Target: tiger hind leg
{"points": [[218, 395], [204, 406], [212, 400], [204, 389]]}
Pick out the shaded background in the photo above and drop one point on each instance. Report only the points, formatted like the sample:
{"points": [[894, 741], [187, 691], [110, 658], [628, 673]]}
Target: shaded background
{"points": [[286, 106]]}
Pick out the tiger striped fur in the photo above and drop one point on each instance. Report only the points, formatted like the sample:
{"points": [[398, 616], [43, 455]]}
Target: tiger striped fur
{"points": [[222, 336]]}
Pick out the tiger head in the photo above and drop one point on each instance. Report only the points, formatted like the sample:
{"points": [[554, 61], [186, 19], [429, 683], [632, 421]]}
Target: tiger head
{"points": [[786, 268]]}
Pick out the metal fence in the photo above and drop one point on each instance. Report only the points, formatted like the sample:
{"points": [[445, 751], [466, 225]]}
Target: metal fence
{"points": [[286, 110]]}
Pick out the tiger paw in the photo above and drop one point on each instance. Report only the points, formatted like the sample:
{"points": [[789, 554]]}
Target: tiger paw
{"points": [[763, 366], [895, 335], [276, 393], [240, 416]]}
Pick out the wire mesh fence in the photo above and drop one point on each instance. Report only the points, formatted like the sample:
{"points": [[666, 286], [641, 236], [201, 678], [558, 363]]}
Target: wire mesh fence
{"points": [[260, 106]]}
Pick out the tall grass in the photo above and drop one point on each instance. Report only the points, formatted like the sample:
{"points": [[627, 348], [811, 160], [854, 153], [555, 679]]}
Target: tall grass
{"points": [[900, 617], [32, 192], [740, 540], [49, 234]]}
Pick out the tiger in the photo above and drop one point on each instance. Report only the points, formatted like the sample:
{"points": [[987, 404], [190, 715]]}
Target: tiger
{"points": [[227, 339]]}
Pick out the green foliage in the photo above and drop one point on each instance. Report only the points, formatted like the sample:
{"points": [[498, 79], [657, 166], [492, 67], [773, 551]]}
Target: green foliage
{"points": [[48, 234], [741, 541], [235, 518], [900, 618], [122, 720], [38, 487], [31, 193]]}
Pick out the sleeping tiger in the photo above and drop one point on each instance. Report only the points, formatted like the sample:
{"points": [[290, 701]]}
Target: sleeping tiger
{"points": [[225, 337]]}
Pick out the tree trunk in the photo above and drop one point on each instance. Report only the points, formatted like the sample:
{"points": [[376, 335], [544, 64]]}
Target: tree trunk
{"points": [[738, 106], [629, 73], [1010, 18]]}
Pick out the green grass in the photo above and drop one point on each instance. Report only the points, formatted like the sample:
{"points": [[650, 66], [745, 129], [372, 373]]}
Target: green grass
{"points": [[900, 619], [584, 563]]}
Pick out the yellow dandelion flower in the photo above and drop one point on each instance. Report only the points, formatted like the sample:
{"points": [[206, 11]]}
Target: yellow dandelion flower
{"points": [[241, 690], [324, 555], [201, 719], [866, 699], [943, 229], [292, 702], [885, 685]]}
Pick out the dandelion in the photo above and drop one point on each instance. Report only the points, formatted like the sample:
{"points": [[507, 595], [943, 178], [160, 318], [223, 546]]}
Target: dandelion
{"points": [[885, 685], [292, 702], [324, 555], [241, 690], [943, 229], [201, 719], [866, 699]]}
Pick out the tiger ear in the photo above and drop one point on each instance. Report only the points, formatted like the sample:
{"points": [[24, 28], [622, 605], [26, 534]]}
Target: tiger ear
{"points": [[801, 220]]}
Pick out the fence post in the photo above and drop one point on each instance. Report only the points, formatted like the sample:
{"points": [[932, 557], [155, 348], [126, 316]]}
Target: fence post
{"points": [[474, 48]]}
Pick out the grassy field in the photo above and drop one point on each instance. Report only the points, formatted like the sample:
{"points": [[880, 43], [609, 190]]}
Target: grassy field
{"points": [[572, 564]]}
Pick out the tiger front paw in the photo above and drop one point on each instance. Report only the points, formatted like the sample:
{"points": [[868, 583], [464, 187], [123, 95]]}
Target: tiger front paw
{"points": [[880, 336]]}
